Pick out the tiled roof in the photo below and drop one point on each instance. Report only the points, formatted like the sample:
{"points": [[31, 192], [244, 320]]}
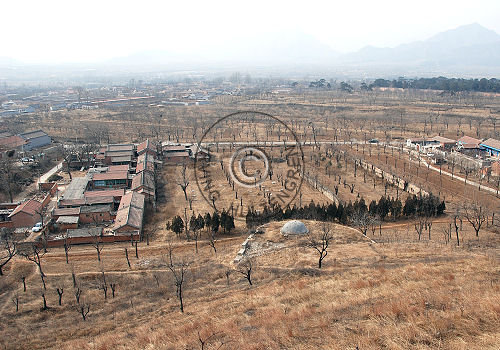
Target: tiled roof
{"points": [[144, 178], [148, 165], [117, 175], [115, 168], [85, 232], [12, 142], [68, 220], [174, 148], [107, 193], [33, 134], [177, 154], [66, 212], [442, 139], [76, 188], [99, 200], [132, 199], [120, 147], [146, 145], [130, 212], [72, 202], [95, 208], [145, 157], [119, 153], [30, 207], [468, 140], [121, 159], [492, 143]]}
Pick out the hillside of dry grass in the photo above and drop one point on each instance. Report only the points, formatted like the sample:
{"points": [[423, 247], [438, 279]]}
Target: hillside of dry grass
{"points": [[401, 294]]}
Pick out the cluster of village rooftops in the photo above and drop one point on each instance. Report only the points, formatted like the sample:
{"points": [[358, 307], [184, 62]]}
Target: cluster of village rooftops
{"points": [[107, 203]]}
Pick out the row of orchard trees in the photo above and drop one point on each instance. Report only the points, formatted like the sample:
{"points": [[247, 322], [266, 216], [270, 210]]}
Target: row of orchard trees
{"points": [[351, 213]]}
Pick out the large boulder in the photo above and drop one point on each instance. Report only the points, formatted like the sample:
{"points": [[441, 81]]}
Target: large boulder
{"points": [[294, 227]]}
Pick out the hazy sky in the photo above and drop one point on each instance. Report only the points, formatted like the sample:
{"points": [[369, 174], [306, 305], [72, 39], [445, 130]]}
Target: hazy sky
{"points": [[92, 30]]}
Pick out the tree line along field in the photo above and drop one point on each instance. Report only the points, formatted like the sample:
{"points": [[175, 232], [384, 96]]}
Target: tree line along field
{"points": [[390, 289], [377, 114]]}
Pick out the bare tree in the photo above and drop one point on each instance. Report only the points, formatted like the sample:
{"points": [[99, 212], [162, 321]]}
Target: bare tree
{"points": [[420, 225], [60, 292], [184, 181], [126, 256], [78, 294], [447, 230], [67, 247], [228, 274], [320, 242], [35, 255], [42, 212], [113, 289], [15, 300], [73, 276], [45, 307], [8, 175], [150, 233], [475, 215], [23, 279], [205, 341], [179, 271], [362, 220], [97, 244], [212, 240], [456, 220], [7, 253], [245, 268], [84, 310], [104, 284], [68, 155]]}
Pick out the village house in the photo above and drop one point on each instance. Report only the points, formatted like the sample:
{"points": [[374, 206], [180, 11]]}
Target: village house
{"points": [[94, 214], [130, 215], [429, 144], [11, 142], [67, 222], [77, 188], [26, 214], [117, 179], [145, 161], [147, 147], [173, 155], [495, 168], [469, 146], [35, 139], [491, 146], [119, 154], [144, 182]]}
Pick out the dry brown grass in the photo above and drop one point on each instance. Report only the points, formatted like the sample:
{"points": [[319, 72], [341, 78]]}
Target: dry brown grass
{"points": [[399, 295]]}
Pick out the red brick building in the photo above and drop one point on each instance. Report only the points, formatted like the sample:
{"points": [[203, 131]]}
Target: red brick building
{"points": [[26, 214], [130, 214]]}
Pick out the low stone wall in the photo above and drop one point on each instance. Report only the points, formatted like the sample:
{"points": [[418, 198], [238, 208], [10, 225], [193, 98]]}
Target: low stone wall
{"points": [[50, 194], [392, 179], [244, 247], [322, 188]]}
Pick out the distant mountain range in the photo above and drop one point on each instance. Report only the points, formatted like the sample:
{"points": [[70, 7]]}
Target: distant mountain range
{"points": [[469, 45], [469, 50]]}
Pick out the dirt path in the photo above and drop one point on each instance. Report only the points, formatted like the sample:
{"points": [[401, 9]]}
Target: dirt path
{"points": [[49, 173]]}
